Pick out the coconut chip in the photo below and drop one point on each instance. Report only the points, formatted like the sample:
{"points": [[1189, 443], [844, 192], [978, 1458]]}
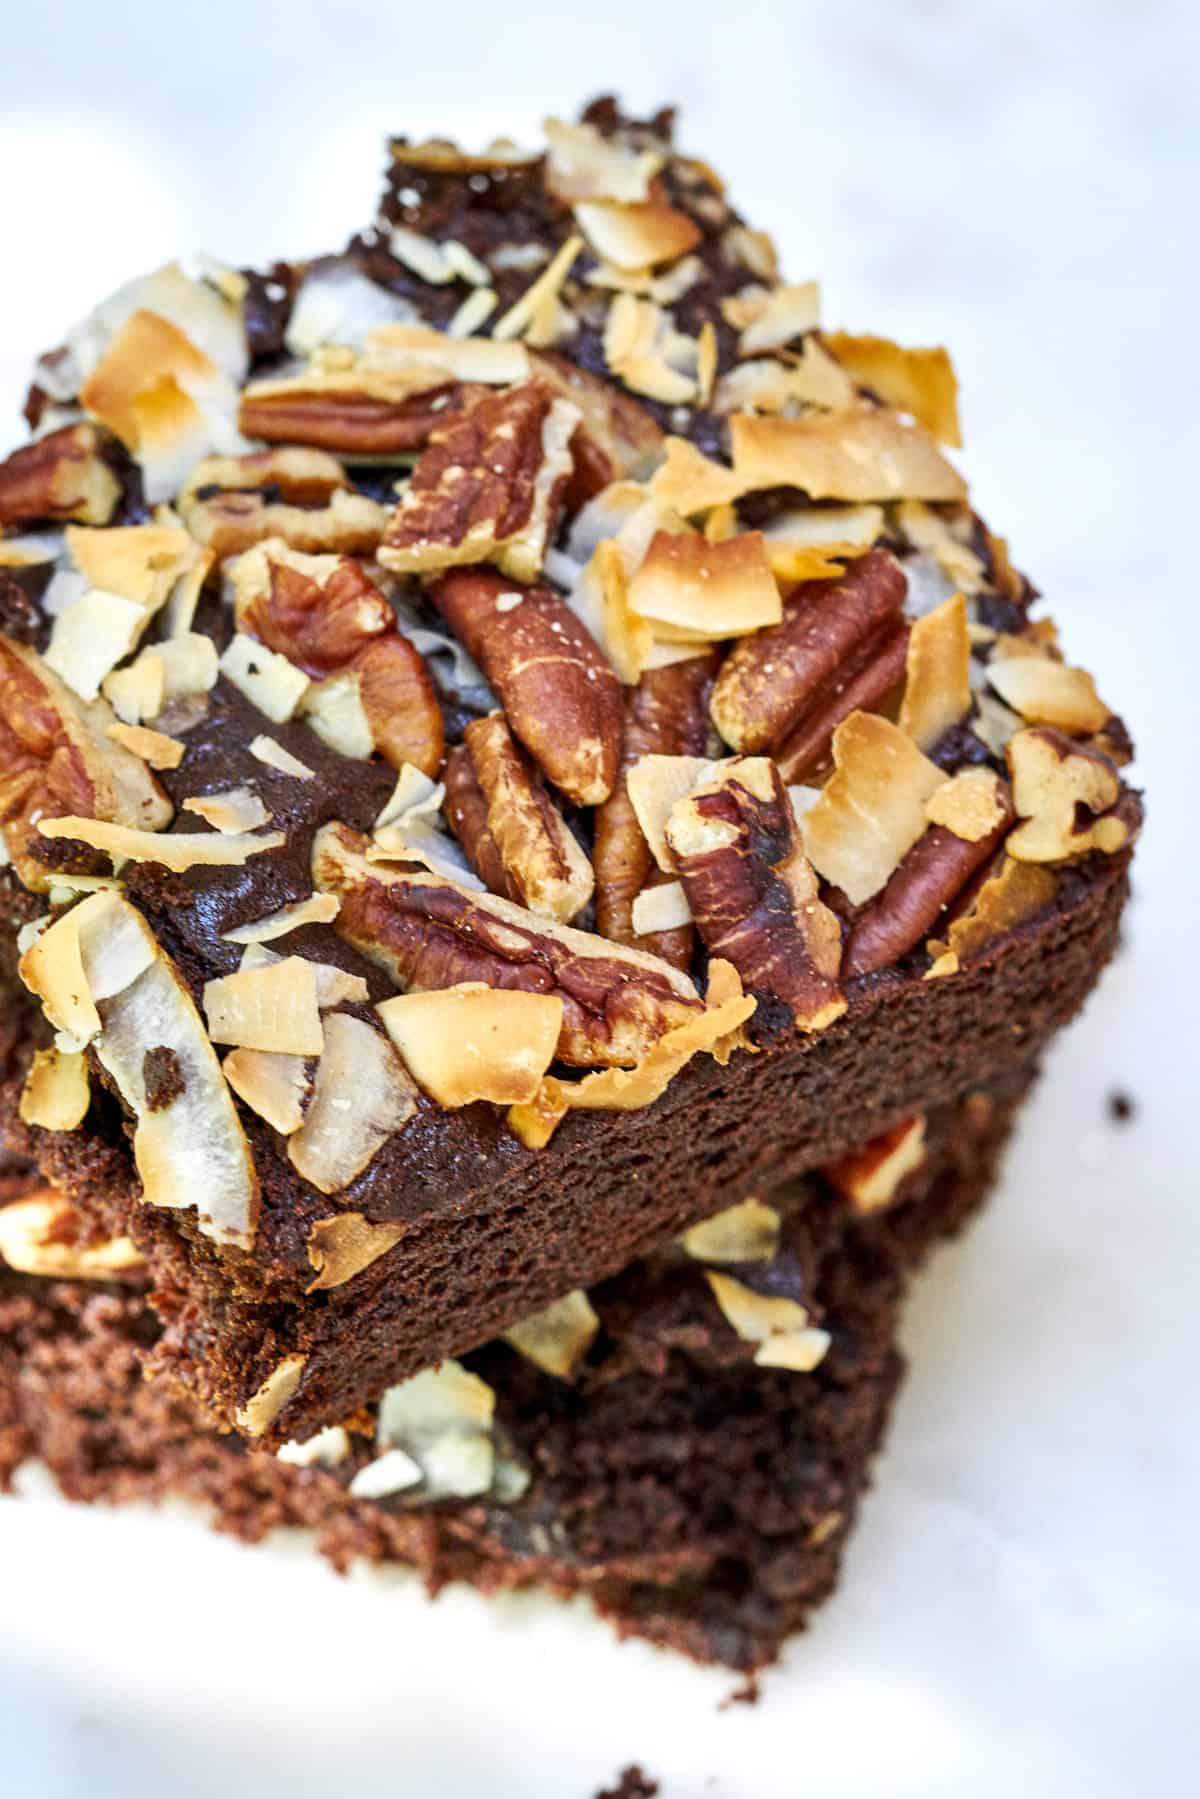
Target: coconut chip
{"points": [[535, 315], [871, 1178], [557, 1338], [154, 748], [972, 804], [1045, 692], [326, 1449], [864, 454], [236, 810], [362, 1096], [775, 316], [755, 1316], [265, 1404], [273, 1008], [655, 785], [266, 750], [582, 164], [1060, 795], [637, 235], [57, 1090], [688, 482], [269, 681], [442, 1418], [920, 382], [661, 908], [177, 850], [693, 590], [473, 1042], [36, 1237], [748, 1232], [813, 543], [334, 986], [275, 1085], [872, 809], [937, 689], [318, 908], [342, 1246], [927, 531], [1007, 899], [484, 359]]}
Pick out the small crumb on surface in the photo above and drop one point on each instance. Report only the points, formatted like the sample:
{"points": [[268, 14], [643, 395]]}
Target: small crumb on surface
{"points": [[1122, 1107], [634, 1783]]}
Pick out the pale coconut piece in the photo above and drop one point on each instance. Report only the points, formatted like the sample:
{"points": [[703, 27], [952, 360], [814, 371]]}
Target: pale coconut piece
{"points": [[264, 1405], [921, 382], [177, 850], [692, 589], [443, 1419], [864, 454], [326, 1449], [415, 795], [334, 986], [271, 1008], [266, 750], [872, 809], [972, 804], [485, 359], [871, 1178], [337, 304], [180, 668], [57, 1090], [655, 785], [475, 310], [436, 262], [800, 1350], [275, 1085], [937, 678], [583, 164], [142, 562], [318, 908], [557, 1338], [52, 965], [342, 1246], [690, 482], [930, 533], [636, 235], [642, 346], [810, 544], [236, 810], [362, 1097], [472, 1042], [755, 1316], [748, 1232], [661, 908], [269, 681], [334, 709], [1045, 692], [1014, 894], [91, 636], [36, 1237], [207, 310], [392, 1472], [781, 314], [154, 748]]}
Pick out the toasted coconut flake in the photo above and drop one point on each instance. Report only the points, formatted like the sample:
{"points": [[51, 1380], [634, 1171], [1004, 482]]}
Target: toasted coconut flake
{"points": [[154, 748], [920, 382], [865, 454], [266, 750], [334, 986], [927, 531], [655, 785], [392, 1472], [334, 709], [643, 347], [707, 356], [442, 1418], [267, 1008], [177, 850], [557, 1338], [873, 808], [237, 809], [473, 1042], [91, 636], [1045, 692], [474, 312], [693, 590], [871, 1178], [755, 1316], [141, 562], [534, 316], [689, 483], [1061, 793], [269, 681], [139, 691], [493, 362], [1014, 894], [342, 1246], [415, 795], [362, 1096], [748, 1232], [52, 968], [630, 1089], [318, 908], [57, 1090], [437, 263], [972, 804], [801, 1351], [260, 1411], [582, 164], [661, 908], [770, 384], [810, 544], [638, 235], [326, 1449], [36, 1237], [937, 690], [275, 1085], [779, 315], [179, 669]]}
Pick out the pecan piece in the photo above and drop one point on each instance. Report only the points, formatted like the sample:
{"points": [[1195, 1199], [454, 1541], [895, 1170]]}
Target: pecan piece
{"points": [[840, 646], [752, 891], [328, 618], [665, 714], [359, 412], [616, 440], [561, 697], [61, 476], [231, 503], [1069, 799], [57, 760], [524, 837], [489, 487], [430, 933]]}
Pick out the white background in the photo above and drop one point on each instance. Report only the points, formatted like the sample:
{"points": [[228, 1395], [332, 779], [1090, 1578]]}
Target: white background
{"points": [[1020, 1609]]}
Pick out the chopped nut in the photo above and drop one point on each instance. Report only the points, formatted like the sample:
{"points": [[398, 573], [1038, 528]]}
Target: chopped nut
{"points": [[747, 1232], [229, 503], [636, 235], [864, 454], [872, 811], [937, 689], [1049, 693], [342, 1246], [273, 1083], [920, 382], [1065, 796], [974, 804], [362, 1096], [617, 439], [660, 909], [871, 1178], [372, 409], [488, 488], [57, 1090], [557, 1338], [561, 698], [697, 591], [472, 1042], [752, 892], [431, 933], [60, 476]]}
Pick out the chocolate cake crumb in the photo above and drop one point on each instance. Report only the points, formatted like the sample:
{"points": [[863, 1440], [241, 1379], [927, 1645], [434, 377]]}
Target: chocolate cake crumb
{"points": [[162, 1076], [1122, 1107], [634, 1783]]}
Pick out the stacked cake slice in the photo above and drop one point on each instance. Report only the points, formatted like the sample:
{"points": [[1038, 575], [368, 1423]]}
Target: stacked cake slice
{"points": [[544, 839]]}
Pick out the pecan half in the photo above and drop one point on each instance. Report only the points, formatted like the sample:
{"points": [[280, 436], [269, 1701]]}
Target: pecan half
{"points": [[429, 933], [56, 760], [361, 412], [523, 831], [839, 648], [328, 618], [488, 488], [752, 891], [665, 714], [617, 439], [302, 497], [560, 695], [61, 476]]}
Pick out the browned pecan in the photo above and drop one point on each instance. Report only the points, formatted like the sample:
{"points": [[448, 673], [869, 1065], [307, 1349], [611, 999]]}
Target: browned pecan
{"points": [[617, 440], [666, 714], [337, 622], [466, 810], [302, 497], [56, 760], [543, 866], [753, 893], [787, 686], [61, 476], [488, 488], [560, 695], [1069, 799], [362, 423], [430, 933]]}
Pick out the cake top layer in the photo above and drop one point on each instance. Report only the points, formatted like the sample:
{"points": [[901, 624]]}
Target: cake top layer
{"points": [[492, 667]]}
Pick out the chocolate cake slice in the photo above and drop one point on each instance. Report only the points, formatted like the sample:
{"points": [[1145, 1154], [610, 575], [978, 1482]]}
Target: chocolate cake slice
{"points": [[688, 1444], [512, 737]]}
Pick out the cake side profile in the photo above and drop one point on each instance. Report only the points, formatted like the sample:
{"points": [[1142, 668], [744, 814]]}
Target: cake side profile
{"points": [[697, 1483], [513, 737]]}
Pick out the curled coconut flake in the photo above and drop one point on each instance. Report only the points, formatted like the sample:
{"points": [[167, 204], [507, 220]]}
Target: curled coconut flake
{"points": [[342, 1246], [362, 1096], [236, 810], [748, 1232], [318, 908], [275, 1085], [265, 1404], [474, 1042], [176, 850], [273, 1008], [937, 682], [872, 810], [57, 1090], [273, 755], [154, 748], [557, 1338]]}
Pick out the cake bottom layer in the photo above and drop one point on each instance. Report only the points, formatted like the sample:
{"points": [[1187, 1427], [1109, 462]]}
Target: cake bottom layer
{"points": [[700, 1497]]}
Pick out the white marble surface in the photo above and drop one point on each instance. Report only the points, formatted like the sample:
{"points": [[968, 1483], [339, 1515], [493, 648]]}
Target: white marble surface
{"points": [[1020, 1609]]}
